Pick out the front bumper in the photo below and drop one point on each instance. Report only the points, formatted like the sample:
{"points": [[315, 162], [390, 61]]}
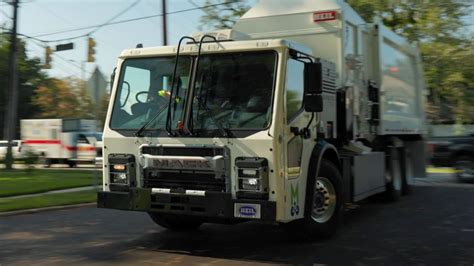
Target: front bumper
{"points": [[211, 205]]}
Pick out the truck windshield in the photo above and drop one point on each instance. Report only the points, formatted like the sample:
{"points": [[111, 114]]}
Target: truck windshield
{"points": [[144, 89], [234, 91]]}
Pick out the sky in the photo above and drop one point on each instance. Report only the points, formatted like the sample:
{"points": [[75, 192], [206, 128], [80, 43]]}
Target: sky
{"points": [[38, 17]]}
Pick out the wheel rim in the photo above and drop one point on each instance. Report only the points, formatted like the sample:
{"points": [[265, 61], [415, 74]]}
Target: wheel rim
{"points": [[324, 200], [465, 169]]}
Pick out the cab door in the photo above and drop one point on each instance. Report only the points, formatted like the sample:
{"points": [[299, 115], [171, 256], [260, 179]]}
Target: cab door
{"points": [[298, 144]]}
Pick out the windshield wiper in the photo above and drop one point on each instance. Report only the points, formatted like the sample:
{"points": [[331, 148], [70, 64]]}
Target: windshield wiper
{"points": [[140, 131], [225, 131], [173, 81]]}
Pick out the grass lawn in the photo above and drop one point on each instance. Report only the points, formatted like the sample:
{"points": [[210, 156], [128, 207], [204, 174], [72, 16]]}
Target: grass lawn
{"points": [[47, 200], [20, 182]]}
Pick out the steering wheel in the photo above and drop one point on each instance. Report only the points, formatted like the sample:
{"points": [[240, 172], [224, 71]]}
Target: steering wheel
{"points": [[137, 98]]}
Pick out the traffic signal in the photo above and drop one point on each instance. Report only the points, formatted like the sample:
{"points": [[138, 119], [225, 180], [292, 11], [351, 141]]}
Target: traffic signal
{"points": [[47, 58], [90, 50]]}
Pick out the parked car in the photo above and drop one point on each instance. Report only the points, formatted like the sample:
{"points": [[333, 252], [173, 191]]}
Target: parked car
{"points": [[16, 148], [457, 152]]}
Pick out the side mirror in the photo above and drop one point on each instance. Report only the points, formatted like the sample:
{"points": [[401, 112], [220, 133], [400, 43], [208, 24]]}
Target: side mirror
{"points": [[313, 87]]}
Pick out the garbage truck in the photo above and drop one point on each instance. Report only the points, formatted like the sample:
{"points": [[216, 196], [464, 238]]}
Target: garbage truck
{"points": [[299, 110]]}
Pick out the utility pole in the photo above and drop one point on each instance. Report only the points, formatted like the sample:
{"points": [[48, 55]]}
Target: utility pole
{"points": [[12, 106], [163, 10]]}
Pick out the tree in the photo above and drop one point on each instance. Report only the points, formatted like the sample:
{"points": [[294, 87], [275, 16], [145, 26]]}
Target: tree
{"points": [[222, 14], [439, 28], [102, 109], [30, 76], [67, 98]]}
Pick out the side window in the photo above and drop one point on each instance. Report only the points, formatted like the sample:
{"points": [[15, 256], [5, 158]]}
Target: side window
{"points": [[294, 88], [136, 80], [54, 134]]}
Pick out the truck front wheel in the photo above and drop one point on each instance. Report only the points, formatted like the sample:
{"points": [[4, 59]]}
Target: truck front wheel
{"points": [[175, 222], [323, 204]]}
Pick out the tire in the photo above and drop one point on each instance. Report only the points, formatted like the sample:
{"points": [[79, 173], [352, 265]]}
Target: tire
{"points": [[323, 204], [175, 222], [406, 187], [464, 166], [394, 176], [71, 164]]}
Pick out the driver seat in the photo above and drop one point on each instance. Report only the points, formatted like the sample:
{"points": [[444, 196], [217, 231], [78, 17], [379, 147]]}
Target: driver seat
{"points": [[139, 109]]}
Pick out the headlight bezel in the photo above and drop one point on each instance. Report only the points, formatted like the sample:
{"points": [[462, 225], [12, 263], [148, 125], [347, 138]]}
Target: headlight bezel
{"points": [[244, 167], [119, 165]]}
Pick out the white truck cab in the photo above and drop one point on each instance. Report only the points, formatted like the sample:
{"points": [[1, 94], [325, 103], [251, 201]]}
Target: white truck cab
{"points": [[301, 108]]}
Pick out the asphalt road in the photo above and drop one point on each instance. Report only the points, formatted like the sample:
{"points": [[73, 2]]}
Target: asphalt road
{"points": [[433, 226]]}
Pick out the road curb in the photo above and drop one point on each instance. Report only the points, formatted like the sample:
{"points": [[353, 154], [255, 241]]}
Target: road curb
{"points": [[45, 209]]}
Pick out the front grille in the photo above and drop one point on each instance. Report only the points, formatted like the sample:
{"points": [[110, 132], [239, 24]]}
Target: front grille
{"points": [[183, 181], [176, 179]]}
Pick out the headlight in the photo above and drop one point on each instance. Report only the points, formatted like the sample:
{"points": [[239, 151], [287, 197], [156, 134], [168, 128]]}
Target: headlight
{"points": [[250, 184], [119, 178], [252, 177]]}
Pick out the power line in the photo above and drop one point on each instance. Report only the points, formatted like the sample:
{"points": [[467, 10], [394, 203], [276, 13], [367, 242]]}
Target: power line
{"points": [[119, 22], [83, 35], [116, 16], [53, 13], [63, 58]]}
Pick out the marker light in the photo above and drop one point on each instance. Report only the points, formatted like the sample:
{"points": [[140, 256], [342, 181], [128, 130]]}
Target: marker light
{"points": [[119, 167]]}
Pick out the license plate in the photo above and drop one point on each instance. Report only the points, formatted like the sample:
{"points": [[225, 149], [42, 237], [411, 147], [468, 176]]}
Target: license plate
{"points": [[247, 210]]}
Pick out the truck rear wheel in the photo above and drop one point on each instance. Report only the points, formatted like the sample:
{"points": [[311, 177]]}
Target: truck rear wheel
{"points": [[71, 163], [394, 176], [44, 161], [175, 222], [464, 166], [323, 204]]}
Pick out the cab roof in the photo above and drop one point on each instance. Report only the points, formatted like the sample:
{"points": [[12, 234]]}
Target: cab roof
{"points": [[223, 46]]}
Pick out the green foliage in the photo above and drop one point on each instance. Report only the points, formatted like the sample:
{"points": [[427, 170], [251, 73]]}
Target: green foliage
{"points": [[434, 20], [446, 47], [24, 182], [223, 13], [63, 98], [50, 200], [30, 76]]}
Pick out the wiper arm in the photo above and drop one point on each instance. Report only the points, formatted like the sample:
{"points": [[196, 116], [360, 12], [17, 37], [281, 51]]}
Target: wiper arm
{"points": [[225, 131], [140, 131], [173, 81]]}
